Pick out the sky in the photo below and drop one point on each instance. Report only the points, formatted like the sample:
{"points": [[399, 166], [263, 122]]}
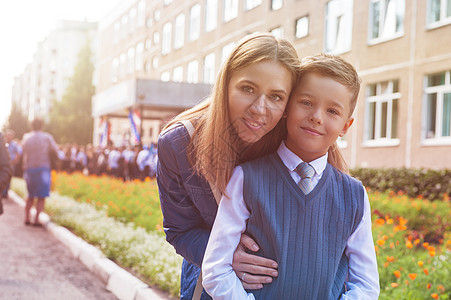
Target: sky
{"points": [[24, 23]]}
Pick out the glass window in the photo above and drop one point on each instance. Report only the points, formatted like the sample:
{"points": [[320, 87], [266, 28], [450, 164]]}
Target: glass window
{"points": [[124, 26], [192, 73], [131, 60], [132, 18], [301, 27], [226, 51], [156, 15], [250, 4], [439, 12], [155, 62], [156, 37], [276, 4], [179, 34], [141, 17], [165, 76], [277, 32], [177, 74], [230, 9], [116, 32], [386, 18], [338, 35], [122, 64], [211, 15], [438, 106], [209, 68], [382, 111], [194, 22], [166, 38], [115, 70], [139, 56]]}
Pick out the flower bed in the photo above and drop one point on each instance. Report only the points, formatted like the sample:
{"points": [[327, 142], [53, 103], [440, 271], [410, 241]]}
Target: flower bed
{"points": [[412, 236]]}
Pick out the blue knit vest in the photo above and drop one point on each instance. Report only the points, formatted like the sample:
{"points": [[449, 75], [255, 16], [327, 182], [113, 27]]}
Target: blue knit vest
{"points": [[305, 234]]}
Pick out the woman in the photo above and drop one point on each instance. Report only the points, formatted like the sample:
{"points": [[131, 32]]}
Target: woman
{"points": [[240, 121]]}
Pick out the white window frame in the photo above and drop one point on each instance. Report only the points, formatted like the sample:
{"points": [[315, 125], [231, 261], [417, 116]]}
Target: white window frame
{"points": [[440, 90], [141, 15], [166, 38], [381, 97], [389, 13], [251, 4], [338, 26], [443, 18], [211, 15], [177, 74], [226, 50], [277, 32], [115, 70], [179, 31], [132, 20], [276, 4], [130, 60], [192, 72], [139, 56], [165, 76], [194, 22], [230, 10], [209, 68], [302, 27], [122, 64]]}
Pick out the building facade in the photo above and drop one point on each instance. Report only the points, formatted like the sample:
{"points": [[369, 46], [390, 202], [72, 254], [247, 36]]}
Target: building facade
{"points": [[45, 79], [401, 49]]}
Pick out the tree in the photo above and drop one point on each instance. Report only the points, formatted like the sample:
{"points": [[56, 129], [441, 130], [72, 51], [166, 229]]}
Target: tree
{"points": [[70, 119], [17, 122]]}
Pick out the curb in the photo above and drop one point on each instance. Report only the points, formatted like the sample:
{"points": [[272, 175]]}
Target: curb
{"points": [[118, 281]]}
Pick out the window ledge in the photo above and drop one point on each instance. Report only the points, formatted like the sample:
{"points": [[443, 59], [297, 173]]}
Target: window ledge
{"points": [[381, 143], [438, 24], [437, 142], [380, 40]]}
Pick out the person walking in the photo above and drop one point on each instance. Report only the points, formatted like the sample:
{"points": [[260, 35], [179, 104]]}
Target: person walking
{"points": [[5, 168], [37, 149]]}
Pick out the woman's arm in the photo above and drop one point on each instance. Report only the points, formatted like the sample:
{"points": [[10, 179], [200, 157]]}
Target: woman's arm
{"points": [[363, 277], [183, 224]]}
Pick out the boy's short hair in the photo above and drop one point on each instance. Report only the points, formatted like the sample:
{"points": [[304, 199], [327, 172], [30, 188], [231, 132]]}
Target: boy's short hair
{"points": [[336, 68], [37, 124]]}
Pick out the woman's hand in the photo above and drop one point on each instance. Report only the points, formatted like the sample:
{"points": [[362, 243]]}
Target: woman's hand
{"points": [[252, 270]]}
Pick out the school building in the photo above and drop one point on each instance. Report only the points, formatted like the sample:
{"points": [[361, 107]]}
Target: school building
{"points": [[160, 57]]}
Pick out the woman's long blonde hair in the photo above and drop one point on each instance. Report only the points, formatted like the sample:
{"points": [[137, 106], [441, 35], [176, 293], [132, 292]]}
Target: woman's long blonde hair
{"points": [[215, 149]]}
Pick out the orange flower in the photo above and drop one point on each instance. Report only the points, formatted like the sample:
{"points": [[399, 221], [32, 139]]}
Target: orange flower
{"points": [[376, 248], [397, 274], [432, 253], [440, 288], [380, 221], [380, 242], [402, 221], [420, 263], [426, 271], [413, 276], [428, 286], [434, 295], [416, 242], [409, 244], [394, 284], [389, 221], [386, 264], [390, 258], [385, 237], [425, 244], [431, 248], [400, 228]]}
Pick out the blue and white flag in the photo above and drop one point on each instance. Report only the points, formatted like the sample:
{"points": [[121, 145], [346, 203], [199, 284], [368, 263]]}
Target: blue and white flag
{"points": [[135, 121]]}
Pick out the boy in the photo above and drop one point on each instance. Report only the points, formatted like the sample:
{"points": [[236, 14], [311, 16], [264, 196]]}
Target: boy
{"points": [[306, 214]]}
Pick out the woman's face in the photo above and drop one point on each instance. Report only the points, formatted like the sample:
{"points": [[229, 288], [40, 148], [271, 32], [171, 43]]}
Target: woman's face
{"points": [[258, 95]]}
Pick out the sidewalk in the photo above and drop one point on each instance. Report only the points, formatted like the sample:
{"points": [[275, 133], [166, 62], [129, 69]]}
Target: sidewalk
{"points": [[38, 263]]}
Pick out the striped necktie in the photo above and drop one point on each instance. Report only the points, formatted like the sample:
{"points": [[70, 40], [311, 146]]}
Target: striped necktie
{"points": [[306, 172]]}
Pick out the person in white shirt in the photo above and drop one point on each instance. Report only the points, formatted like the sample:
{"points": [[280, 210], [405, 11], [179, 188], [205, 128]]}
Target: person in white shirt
{"points": [[303, 210]]}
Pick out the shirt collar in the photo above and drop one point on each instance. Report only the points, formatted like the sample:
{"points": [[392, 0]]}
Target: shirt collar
{"points": [[291, 160]]}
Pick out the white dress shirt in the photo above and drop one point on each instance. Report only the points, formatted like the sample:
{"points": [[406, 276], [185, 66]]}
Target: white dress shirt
{"points": [[219, 278]]}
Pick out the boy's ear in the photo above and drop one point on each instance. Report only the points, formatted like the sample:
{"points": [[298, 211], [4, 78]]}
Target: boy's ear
{"points": [[346, 127]]}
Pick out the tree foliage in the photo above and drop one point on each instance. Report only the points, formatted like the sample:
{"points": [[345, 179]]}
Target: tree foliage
{"points": [[70, 118], [17, 122]]}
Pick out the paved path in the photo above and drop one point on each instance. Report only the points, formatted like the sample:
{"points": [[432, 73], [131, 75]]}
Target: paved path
{"points": [[36, 264]]}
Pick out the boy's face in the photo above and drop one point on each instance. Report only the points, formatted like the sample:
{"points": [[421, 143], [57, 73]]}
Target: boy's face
{"points": [[317, 114]]}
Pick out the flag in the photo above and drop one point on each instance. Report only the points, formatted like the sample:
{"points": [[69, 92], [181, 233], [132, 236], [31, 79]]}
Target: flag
{"points": [[104, 127], [135, 122]]}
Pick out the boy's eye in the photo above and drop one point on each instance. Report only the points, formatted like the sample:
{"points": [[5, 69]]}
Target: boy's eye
{"points": [[305, 102], [333, 111]]}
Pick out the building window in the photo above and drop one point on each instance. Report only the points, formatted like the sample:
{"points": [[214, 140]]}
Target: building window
{"points": [[179, 33], [155, 62], [211, 15], [382, 107], [131, 60], [209, 68], [192, 73], [230, 10], [194, 22], [439, 12], [277, 32], [156, 38], [166, 38], [139, 56], [165, 76], [338, 26], [132, 18], [250, 4], [167, 2], [124, 26], [141, 13], [156, 15], [276, 4], [148, 44], [301, 29], [177, 74], [226, 50], [115, 70], [116, 32], [386, 19], [438, 107], [122, 65]]}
